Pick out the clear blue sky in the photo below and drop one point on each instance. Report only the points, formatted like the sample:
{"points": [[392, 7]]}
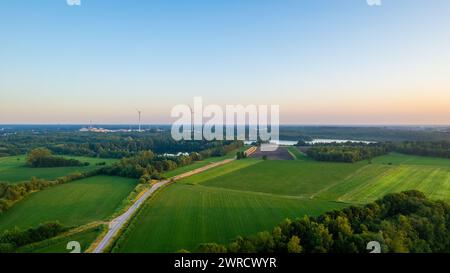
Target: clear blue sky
{"points": [[322, 61]]}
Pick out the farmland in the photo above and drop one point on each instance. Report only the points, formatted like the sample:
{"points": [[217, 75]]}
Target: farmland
{"points": [[184, 215], [251, 195], [394, 173], [237, 199], [297, 178], [72, 204], [14, 169]]}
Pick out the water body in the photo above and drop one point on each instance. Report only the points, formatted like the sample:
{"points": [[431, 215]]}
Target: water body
{"points": [[315, 141], [325, 141]]}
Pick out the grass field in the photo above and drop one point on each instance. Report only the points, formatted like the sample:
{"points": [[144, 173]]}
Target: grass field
{"points": [[14, 169], [221, 170], [297, 178], [72, 204], [394, 173], [183, 215], [251, 195], [401, 159]]}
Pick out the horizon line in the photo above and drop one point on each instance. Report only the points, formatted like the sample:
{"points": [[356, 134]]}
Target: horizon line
{"points": [[281, 124]]}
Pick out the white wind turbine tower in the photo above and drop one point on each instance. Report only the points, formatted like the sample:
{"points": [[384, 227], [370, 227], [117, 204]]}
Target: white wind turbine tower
{"points": [[139, 113]]}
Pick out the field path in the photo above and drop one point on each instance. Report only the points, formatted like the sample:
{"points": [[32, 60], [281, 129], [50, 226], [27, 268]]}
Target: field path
{"points": [[118, 223]]}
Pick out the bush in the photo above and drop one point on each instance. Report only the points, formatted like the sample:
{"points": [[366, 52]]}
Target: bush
{"points": [[43, 158]]}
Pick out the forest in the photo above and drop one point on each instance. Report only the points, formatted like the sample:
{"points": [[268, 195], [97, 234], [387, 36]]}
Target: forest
{"points": [[353, 152], [436, 148], [112, 145]]}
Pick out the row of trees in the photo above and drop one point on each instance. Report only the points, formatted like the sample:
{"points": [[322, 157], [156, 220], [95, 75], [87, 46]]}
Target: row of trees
{"points": [[401, 222], [43, 158], [10, 240], [346, 153], [352, 152], [221, 148], [146, 165], [438, 149], [10, 193]]}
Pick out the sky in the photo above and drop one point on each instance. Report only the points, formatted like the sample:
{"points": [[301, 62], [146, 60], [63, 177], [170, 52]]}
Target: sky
{"points": [[321, 61]]}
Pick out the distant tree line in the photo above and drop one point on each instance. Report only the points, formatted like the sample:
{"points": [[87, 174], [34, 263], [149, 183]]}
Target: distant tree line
{"points": [[400, 222], [12, 239], [375, 133], [43, 158], [353, 152], [437, 149], [350, 153]]}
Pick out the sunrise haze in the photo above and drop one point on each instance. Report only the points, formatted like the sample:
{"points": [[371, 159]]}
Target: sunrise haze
{"points": [[323, 62]]}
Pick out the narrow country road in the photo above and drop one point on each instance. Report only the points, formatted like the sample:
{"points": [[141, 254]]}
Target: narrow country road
{"points": [[119, 222]]}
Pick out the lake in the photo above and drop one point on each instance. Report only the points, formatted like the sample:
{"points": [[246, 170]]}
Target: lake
{"points": [[314, 141]]}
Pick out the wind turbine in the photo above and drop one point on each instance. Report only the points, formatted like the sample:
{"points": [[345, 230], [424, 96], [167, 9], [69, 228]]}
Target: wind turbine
{"points": [[139, 113]]}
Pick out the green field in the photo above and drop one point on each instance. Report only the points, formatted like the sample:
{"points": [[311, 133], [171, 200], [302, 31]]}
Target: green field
{"points": [[297, 178], [394, 173], [14, 168], [183, 215], [248, 196], [401, 159], [72, 204]]}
